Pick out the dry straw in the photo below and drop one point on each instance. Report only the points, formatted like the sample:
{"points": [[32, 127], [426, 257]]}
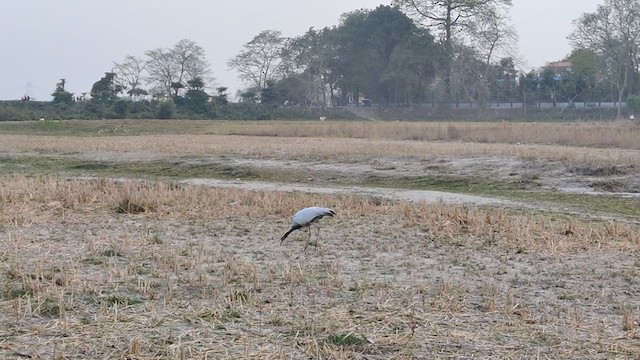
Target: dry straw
{"points": [[575, 143], [198, 272]]}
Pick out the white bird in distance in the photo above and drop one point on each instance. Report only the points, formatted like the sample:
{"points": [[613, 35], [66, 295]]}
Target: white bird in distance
{"points": [[306, 217]]}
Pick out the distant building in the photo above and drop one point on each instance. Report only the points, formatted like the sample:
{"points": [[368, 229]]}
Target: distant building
{"points": [[560, 66]]}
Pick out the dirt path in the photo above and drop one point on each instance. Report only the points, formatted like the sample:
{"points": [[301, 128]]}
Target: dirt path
{"points": [[391, 194]]}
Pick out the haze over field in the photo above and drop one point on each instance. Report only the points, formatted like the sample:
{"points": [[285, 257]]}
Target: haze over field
{"points": [[77, 40]]}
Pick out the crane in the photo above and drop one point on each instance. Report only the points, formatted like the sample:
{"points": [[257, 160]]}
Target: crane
{"points": [[306, 217]]}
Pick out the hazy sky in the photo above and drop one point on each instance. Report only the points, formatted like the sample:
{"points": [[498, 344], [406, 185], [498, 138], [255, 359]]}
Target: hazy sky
{"points": [[44, 40]]}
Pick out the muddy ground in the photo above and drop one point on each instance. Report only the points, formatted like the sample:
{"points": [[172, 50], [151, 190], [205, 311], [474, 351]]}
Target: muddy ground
{"points": [[509, 182], [487, 269], [202, 274], [533, 175]]}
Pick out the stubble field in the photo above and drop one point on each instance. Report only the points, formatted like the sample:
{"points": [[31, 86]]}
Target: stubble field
{"points": [[109, 250]]}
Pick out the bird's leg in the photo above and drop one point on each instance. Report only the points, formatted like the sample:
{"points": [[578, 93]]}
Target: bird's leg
{"points": [[317, 236], [308, 238]]}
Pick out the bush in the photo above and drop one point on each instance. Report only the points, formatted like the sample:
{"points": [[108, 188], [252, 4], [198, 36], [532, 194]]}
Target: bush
{"points": [[633, 102], [166, 109], [121, 108]]}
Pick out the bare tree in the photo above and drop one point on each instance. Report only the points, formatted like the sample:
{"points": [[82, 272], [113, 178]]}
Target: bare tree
{"points": [[261, 59], [160, 71], [189, 63], [453, 19], [612, 31], [170, 69], [493, 38], [129, 75]]}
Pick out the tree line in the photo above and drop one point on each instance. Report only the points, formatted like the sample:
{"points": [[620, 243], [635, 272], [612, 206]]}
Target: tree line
{"points": [[412, 52]]}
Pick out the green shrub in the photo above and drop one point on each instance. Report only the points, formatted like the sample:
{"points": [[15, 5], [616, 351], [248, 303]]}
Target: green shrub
{"points": [[166, 109], [633, 102]]}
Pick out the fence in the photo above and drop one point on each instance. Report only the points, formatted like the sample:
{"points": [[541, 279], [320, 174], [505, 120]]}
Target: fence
{"points": [[541, 105]]}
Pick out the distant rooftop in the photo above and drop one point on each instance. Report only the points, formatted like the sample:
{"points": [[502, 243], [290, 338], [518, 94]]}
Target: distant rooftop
{"points": [[565, 64]]}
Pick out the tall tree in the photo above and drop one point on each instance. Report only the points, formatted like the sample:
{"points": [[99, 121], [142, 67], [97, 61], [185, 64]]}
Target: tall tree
{"points": [[170, 69], [261, 59], [586, 67], [196, 98], [452, 19], [504, 83], [106, 90], [189, 63], [376, 48], [613, 31], [577, 83], [311, 55], [129, 75], [494, 38], [413, 66], [60, 95], [160, 71]]}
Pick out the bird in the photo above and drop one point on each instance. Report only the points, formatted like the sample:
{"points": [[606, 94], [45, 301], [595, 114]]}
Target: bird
{"points": [[305, 217]]}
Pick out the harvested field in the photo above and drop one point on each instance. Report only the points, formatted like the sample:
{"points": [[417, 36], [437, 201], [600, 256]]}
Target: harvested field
{"points": [[109, 249]]}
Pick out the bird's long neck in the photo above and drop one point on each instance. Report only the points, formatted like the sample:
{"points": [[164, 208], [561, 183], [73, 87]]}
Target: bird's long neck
{"points": [[294, 227]]}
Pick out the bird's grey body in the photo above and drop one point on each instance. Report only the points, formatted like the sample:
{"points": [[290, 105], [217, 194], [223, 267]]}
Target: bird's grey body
{"points": [[306, 217]]}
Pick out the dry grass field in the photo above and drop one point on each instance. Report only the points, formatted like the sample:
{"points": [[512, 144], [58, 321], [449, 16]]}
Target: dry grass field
{"points": [[107, 254]]}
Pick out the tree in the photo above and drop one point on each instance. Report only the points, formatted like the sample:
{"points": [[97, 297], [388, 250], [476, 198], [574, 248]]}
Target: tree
{"points": [[261, 59], [129, 75], [548, 85], [586, 71], [503, 86], [248, 97], [576, 83], [528, 87], [170, 69], [196, 98], [295, 90], [612, 32], [469, 73], [380, 52], [60, 95], [310, 56], [413, 66], [271, 95], [218, 101], [222, 96], [453, 19], [106, 90], [493, 37], [160, 71], [190, 63]]}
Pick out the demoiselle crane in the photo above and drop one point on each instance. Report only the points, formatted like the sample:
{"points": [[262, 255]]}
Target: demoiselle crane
{"points": [[306, 217]]}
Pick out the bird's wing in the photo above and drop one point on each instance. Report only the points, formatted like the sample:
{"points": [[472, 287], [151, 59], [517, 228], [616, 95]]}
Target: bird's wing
{"points": [[308, 215]]}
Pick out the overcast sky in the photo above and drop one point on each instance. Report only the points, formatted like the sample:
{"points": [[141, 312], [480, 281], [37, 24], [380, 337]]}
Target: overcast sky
{"points": [[44, 40]]}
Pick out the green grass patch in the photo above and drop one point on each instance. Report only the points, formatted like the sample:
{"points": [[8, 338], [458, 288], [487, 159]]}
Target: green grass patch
{"points": [[349, 339], [125, 127], [50, 308], [602, 204], [45, 165], [588, 203], [120, 300], [449, 183]]}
